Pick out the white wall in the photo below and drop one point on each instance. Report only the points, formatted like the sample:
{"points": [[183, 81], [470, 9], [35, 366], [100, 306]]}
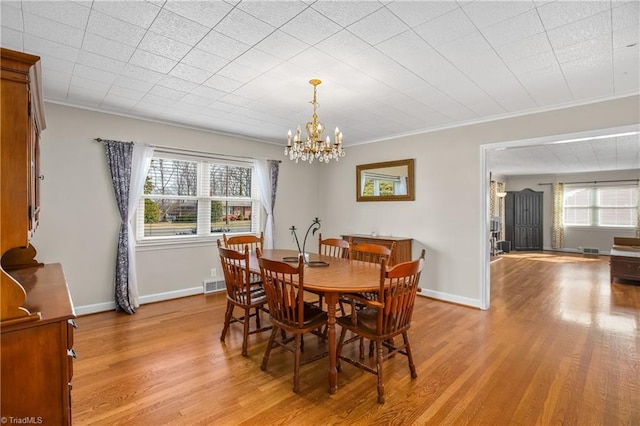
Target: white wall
{"points": [[80, 222], [574, 238], [446, 217]]}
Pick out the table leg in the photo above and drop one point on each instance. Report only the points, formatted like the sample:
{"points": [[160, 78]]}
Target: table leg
{"points": [[332, 301]]}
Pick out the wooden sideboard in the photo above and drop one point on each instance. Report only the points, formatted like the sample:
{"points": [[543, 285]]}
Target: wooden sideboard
{"points": [[403, 245], [36, 316], [625, 259], [37, 356]]}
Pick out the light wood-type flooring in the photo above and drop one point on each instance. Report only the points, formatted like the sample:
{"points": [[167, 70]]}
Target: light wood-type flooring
{"points": [[559, 345]]}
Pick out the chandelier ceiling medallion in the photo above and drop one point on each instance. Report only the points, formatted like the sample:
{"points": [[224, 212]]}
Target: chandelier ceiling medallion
{"points": [[314, 147]]}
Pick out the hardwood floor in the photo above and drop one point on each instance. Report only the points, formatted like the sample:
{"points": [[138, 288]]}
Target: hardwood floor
{"points": [[560, 345]]}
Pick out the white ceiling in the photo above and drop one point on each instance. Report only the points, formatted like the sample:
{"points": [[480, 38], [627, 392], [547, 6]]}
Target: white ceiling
{"points": [[388, 68], [599, 154]]}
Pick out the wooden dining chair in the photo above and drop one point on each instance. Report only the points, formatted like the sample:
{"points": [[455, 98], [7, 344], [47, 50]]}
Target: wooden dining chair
{"points": [[384, 318], [333, 247], [239, 242], [370, 253], [284, 287], [241, 293]]}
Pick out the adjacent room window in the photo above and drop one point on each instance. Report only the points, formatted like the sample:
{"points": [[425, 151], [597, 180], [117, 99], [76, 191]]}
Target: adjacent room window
{"points": [[601, 206], [376, 184], [187, 196]]}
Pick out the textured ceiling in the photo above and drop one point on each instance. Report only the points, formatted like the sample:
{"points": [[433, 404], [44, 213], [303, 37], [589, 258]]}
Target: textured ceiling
{"points": [[592, 155], [388, 68]]}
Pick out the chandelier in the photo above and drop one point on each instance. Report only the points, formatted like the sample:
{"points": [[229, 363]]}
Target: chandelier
{"points": [[314, 147]]}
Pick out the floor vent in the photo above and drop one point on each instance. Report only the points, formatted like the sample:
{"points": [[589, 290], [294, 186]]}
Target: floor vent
{"points": [[213, 286], [587, 250]]}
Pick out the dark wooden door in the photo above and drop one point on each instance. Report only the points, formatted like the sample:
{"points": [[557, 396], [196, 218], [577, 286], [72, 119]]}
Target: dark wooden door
{"points": [[523, 221]]}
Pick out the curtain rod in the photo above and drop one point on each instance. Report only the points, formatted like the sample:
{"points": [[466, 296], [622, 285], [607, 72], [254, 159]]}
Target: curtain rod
{"points": [[193, 151], [594, 181]]}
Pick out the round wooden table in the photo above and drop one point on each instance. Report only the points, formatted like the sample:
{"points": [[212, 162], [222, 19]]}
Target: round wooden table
{"points": [[340, 276]]}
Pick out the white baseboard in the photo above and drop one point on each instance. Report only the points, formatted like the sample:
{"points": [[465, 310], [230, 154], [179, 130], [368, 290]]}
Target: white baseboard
{"points": [[151, 298], [95, 308], [159, 297], [446, 297]]}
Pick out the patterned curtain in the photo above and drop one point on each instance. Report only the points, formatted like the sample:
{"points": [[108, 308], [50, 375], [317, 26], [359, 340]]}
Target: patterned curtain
{"points": [[496, 202], [638, 213], [493, 198], [501, 188], [267, 175], [274, 167], [557, 229], [126, 163]]}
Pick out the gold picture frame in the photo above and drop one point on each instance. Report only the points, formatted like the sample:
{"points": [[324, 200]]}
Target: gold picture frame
{"points": [[386, 181]]}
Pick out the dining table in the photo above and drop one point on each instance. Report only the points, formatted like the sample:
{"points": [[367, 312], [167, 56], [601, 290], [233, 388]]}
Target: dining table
{"points": [[331, 277]]}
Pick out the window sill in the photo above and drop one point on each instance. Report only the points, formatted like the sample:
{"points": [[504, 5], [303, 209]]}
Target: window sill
{"points": [[177, 243], [601, 228]]}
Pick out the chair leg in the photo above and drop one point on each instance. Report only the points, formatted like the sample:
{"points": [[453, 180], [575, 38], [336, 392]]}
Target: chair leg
{"points": [[362, 349], [257, 318], [227, 320], [344, 312], [245, 333], [379, 360], [343, 333], [272, 339], [296, 365], [325, 332], [412, 366]]}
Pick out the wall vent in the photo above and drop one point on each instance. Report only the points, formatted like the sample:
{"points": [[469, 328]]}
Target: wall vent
{"points": [[211, 286], [590, 250]]}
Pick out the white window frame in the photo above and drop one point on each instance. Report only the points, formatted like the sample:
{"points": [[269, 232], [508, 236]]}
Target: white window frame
{"points": [[376, 178], [595, 205], [204, 234]]}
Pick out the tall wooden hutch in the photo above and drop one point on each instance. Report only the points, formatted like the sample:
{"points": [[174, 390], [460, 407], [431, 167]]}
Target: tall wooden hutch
{"points": [[523, 219], [36, 321]]}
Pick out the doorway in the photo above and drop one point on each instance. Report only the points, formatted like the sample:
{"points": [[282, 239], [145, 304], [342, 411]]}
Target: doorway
{"points": [[486, 173]]}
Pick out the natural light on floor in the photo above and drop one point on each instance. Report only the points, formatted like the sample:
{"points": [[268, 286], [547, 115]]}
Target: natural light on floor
{"points": [[546, 257]]}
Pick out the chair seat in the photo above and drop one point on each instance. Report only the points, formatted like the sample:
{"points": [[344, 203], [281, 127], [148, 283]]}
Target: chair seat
{"points": [[348, 299], [258, 297], [313, 314], [366, 322], [312, 318]]}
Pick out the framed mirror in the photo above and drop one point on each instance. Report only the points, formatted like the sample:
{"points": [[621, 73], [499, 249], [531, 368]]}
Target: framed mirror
{"points": [[387, 181]]}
